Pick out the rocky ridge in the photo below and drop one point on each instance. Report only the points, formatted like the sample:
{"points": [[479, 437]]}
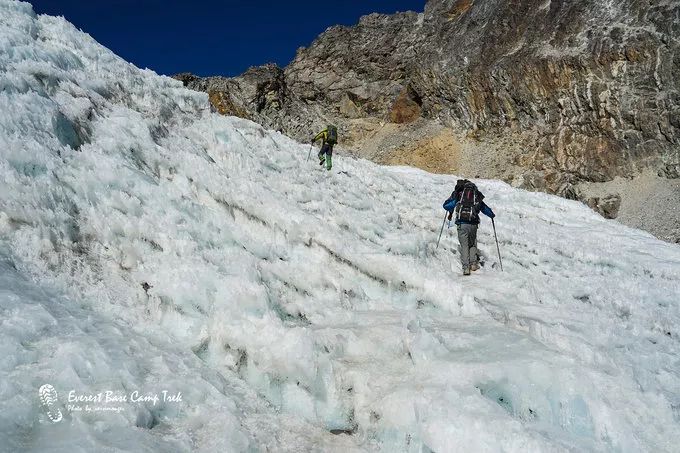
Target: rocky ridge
{"points": [[553, 95]]}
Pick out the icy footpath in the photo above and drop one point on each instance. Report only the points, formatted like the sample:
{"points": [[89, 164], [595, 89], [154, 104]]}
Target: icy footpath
{"points": [[296, 308]]}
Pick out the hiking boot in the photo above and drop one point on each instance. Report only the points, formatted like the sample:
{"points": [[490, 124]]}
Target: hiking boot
{"points": [[329, 163], [474, 267], [466, 271]]}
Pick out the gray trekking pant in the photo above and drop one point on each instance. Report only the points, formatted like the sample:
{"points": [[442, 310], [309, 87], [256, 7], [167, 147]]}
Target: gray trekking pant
{"points": [[467, 236]]}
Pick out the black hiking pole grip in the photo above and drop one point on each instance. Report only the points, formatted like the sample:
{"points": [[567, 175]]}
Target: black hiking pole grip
{"points": [[310, 152], [500, 260], [442, 230]]}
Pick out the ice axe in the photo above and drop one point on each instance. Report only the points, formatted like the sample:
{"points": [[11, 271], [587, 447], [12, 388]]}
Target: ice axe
{"points": [[310, 152]]}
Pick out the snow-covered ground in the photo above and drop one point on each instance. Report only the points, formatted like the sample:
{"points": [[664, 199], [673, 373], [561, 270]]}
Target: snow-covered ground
{"points": [[149, 245]]}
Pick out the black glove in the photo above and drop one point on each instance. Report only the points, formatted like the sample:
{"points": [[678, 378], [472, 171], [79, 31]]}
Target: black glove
{"points": [[450, 215]]}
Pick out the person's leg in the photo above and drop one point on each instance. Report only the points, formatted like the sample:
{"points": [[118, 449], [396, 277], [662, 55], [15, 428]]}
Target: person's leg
{"points": [[463, 239], [474, 257], [322, 153], [329, 157]]}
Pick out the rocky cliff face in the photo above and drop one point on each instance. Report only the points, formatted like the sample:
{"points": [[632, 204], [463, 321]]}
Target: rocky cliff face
{"points": [[558, 93]]}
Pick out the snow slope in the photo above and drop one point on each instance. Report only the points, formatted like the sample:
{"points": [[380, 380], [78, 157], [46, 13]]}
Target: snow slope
{"points": [[148, 244]]}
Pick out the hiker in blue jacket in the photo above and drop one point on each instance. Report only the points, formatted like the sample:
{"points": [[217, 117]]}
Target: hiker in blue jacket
{"points": [[467, 202]]}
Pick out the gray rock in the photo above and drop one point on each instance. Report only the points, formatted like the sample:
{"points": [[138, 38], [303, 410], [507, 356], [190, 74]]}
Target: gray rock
{"points": [[608, 206]]}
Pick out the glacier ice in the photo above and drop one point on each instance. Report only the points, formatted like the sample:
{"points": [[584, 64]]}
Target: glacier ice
{"points": [[148, 244]]}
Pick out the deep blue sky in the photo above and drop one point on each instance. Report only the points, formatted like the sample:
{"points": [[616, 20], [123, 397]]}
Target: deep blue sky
{"points": [[211, 37]]}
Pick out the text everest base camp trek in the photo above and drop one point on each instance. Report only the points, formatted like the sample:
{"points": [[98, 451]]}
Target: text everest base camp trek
{"points": [[148, 245]]}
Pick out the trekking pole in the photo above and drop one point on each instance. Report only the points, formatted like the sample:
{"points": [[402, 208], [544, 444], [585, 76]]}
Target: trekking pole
{"points": [[442, 230], [500, 260], [310, 152]]}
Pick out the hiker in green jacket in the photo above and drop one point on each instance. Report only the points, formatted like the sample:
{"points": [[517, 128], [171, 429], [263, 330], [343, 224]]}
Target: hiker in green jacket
{"points": [[328, 137]]}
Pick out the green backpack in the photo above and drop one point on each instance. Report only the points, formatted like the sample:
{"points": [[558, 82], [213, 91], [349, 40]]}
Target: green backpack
{"points": [[331, 135]]}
